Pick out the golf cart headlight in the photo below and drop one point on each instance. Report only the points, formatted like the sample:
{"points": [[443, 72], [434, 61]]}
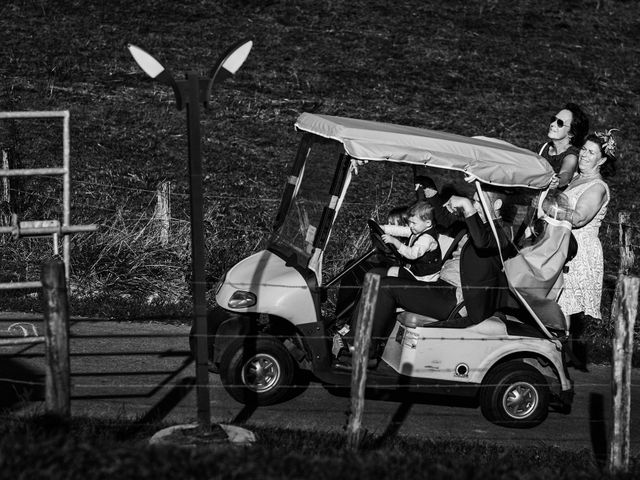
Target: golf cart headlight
{"points": [[242, 299]]}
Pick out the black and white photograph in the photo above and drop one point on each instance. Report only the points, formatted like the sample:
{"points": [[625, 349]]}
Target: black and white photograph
{"points": [[319, 239]]}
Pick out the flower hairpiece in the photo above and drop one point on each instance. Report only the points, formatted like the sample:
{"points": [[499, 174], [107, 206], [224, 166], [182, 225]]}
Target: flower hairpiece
{"points": [[608, 142]]}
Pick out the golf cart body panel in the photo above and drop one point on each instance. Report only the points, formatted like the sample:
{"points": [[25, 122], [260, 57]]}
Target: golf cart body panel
{"points": [[444, 353], [286, 282], [279, 289]]}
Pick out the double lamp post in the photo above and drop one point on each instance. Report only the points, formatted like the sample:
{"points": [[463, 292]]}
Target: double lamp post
{"points": [[192, 91]]}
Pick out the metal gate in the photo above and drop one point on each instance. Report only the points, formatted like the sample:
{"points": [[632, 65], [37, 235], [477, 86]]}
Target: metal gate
{"points": [[46, 227]]}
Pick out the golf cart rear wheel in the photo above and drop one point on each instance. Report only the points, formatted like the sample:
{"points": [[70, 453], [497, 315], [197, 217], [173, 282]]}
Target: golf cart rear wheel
{"points": [[515, 395], [258, 372]]}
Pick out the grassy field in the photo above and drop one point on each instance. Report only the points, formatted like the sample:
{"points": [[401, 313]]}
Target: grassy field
{"points": [[42, 447], [478, 67]]}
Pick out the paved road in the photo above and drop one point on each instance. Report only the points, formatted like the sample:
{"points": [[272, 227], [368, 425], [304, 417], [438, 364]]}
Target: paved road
{"points": [[143, 370]]}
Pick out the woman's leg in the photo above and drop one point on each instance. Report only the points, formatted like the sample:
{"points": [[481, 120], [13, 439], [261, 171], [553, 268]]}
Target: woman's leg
{"points": [[578, 346]]}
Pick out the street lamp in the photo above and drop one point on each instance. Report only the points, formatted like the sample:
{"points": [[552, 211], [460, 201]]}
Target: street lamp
{"points": [[190, 92]]}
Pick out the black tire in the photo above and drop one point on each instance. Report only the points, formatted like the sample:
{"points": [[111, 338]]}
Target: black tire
{"points": [[515, 394], [257, 372]]}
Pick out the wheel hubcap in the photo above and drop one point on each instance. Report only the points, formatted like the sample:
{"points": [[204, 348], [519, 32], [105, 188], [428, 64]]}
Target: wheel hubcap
{"points": [[520, 400], [261, 373]]}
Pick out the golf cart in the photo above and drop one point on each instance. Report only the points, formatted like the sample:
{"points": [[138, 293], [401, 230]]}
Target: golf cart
{"points": [[275, 318]]}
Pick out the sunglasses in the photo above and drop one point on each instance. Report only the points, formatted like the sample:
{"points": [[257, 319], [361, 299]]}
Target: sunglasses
{"points": [[559, 121]]}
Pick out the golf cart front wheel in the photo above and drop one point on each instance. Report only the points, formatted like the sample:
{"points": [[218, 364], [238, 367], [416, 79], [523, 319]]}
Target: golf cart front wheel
{"points": [[257, 371], [515, 395]]}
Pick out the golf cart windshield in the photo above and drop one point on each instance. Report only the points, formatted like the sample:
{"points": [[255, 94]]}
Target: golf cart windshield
{"points": [[306, 197]]}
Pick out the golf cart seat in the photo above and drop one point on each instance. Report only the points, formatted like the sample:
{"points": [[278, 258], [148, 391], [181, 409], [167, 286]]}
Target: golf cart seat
{"points": [[413, 320], [456, 319], [498, 324]]}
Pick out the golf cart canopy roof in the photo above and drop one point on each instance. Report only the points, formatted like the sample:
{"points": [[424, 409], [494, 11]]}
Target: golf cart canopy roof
{"points": [[492, 161]]}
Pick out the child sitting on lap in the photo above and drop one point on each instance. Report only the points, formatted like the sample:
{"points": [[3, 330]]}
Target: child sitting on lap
{"points": [[422, 250]]}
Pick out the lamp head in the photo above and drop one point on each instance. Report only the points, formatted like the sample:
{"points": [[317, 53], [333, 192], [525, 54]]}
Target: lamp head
{"points": [[146, 61], [155, 70], [228, 64], [236, 55]]}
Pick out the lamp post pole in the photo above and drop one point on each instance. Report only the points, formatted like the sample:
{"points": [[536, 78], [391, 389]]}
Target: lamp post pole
{"points": [[197, 248], [192, 91]]}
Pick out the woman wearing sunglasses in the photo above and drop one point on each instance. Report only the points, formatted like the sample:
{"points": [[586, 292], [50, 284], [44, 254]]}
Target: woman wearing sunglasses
{"points": [[566, 133]]}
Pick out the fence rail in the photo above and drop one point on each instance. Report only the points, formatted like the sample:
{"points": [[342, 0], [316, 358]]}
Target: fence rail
{"points": [[7, 342]]}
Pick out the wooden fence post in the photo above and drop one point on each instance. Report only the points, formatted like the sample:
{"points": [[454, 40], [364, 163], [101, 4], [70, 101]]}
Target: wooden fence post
{"points": [[362, 341], [56, 328], [162, 213], [624, 238], [5, 193], [624, 314]]}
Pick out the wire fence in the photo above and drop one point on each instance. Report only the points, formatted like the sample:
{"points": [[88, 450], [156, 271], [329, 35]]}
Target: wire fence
{"points": [[160, 374], [235, 240], [125, 398], [228, 233]]}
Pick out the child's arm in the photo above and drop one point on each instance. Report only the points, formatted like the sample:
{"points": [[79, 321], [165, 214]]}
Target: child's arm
{"points": [[426, 243], [397, 230]]}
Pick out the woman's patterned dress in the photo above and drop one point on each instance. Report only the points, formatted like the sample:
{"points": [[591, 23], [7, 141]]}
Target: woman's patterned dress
{"points": [[583, 281]]}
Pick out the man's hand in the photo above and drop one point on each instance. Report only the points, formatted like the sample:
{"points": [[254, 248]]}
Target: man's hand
{"points": [[428, 192], [470, 177], [460, 204], [357, 163]]}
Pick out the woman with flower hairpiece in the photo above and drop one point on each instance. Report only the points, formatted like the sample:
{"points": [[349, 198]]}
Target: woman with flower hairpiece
{"points": [[588, 196]]}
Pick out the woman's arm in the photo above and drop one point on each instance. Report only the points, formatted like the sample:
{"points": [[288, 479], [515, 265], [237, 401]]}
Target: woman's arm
{"points": [[567, 169], [588, 205]]}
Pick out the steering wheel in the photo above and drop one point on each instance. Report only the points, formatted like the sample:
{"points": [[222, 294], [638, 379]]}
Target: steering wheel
{"points": [[376, 233]]}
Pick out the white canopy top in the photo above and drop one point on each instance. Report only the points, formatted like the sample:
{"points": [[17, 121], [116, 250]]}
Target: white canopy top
{"points": [[492, 161]]}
